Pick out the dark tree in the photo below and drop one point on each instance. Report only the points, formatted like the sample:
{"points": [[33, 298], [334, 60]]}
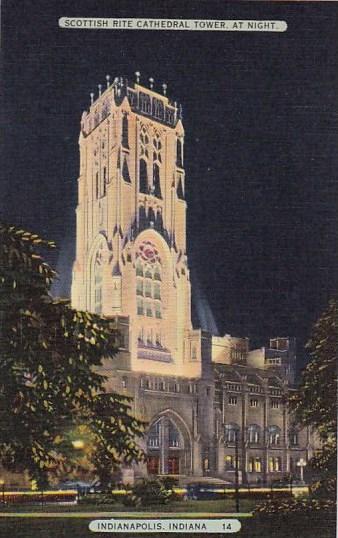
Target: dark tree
{"points": [[52, 397], [315, 403]]}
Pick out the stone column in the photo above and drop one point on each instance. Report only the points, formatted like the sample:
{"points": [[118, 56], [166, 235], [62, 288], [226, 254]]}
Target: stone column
{"points": [[243, 448]]}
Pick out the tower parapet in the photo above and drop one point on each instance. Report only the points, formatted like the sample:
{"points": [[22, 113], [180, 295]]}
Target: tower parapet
{"points": [[142, 100]]}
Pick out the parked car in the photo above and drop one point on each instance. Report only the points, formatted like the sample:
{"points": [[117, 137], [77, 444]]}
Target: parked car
{"points": [[207, 490], [79, 485]]}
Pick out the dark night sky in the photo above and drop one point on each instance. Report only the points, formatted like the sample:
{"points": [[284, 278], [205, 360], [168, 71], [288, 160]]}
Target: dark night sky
{"points": [[260, 113]]}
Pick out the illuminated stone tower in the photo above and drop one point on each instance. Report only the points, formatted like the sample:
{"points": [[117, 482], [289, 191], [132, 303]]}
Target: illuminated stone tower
{"points": [[194, 390], [131, 260]]}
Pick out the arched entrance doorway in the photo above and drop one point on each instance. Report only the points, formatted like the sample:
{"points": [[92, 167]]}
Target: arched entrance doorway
{"points": [[168, 448]]}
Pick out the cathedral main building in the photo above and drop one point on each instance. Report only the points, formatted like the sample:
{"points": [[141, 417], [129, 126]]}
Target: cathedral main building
{"points": [[207, 399]]}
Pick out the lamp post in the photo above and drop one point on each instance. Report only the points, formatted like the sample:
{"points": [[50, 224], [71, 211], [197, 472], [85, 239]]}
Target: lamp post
{"points": [[236, 472], [2, 483], [301, 464]]}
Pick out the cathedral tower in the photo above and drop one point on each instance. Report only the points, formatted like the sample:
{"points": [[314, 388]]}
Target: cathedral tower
{"points": [[131, 260]]}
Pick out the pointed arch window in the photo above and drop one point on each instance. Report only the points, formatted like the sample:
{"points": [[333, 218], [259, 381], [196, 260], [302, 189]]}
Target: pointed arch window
{"points": [[179, 153], [254, 433], [159, 221], [274, 433], [148, 279], [179, 190], [294, 437], [157, 159], [142, 218], [151, 216], [143, 177], [125, 171], [98, 286], [157, 181], [145, 103], [125, 135], [231, 433]]}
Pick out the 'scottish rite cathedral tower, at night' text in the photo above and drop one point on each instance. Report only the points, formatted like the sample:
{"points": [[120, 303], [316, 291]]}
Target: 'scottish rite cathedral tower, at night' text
{"points": [[200, 394]]}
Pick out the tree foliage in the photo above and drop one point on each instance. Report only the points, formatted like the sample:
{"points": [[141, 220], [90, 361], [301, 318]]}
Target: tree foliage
{"points": [[51, 388], [315, 403]]}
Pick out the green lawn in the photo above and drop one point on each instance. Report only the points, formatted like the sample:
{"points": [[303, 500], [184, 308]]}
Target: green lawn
{"points": [[214, 506]]}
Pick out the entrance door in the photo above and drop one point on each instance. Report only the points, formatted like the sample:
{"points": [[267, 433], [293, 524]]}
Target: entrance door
{"points": [[173, 465], [153, 465]]}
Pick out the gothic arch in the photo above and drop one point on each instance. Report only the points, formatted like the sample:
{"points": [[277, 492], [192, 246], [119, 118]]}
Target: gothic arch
{"points": [[99, 247], [183, 454], [176, 418]]}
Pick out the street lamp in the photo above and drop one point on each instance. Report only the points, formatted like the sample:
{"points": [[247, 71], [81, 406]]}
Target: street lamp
{"points": [[78, 444], [301, 464], [236, 472]]}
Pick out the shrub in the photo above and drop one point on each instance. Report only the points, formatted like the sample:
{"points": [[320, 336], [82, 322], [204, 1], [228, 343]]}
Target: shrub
{"points": [[98, 499], [324, 489], [131, 500], [295, 506], [151, 492]]}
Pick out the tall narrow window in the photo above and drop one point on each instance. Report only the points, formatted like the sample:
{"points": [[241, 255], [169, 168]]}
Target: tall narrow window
{"points": [[149, 311], [140, 310], [179, 153], [157, 272], [139, 287], [104, 189], [125, 171], [142, 218], [159, 221], [156, 181], [143, 177], [253, 433], [98, 286], [274, 435], [125, 141], [147, 288], [157, 291], [139, 268], [231, 433], [179, 190], [97, 185], [158, 313], [151, 216]]}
